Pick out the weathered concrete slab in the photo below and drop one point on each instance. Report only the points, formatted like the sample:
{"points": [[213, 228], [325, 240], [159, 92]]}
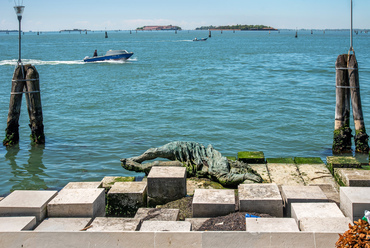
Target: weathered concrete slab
{"points": [[166, 184], [308, 160], [196, 223], [342, 162], [260, 198], [27, 203], [107, 182], [331, 192], [112, 224], [250, 157], [83, 185], [262, 170], [194, 183], [316, 174], [78, 203], [165, 226], [354, 201], [15, 224], [125, 198], [213, 202], [292, 194], [157, 214], [284, 174], [315, 210], [271, 225], [322, 224], [352, 177], [63, 224]]}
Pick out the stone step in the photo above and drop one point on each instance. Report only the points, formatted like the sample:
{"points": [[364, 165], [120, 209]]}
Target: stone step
{"points": [[213, 202], [284, 174], [63, 224], [271, 225], [112, 224], [165, 226], [157, 214], [353, 177], [15, 224]]}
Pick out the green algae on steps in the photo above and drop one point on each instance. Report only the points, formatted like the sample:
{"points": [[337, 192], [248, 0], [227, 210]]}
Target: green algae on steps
{"points": [[251, 157]]}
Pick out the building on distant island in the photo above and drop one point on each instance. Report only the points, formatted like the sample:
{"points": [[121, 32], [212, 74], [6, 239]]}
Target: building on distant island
{"points": [[151, 28]]}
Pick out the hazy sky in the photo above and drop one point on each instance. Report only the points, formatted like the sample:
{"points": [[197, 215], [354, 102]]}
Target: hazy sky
{"points": [[49, 15]]}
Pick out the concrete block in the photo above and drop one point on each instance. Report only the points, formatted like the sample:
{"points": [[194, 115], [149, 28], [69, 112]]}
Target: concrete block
{"points": [[27, 203], [315, 210], [322, 224], [157, 214], [125, 198], [284, 174], [166, 184], [316, 174], [352, 177], [354, 201], [292, 194], [331, 192], [178, 240], [83, 185], [15, 224], [165, 226], [63, 224], [262, 170], [108, 182], [213, 202], [271, 225], [196, 223], [78, 203], [109, 224], [260, 198]]}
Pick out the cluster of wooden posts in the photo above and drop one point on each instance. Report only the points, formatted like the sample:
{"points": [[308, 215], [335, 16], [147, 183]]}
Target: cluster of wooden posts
{"points": [[25, 81], [347, 93]]}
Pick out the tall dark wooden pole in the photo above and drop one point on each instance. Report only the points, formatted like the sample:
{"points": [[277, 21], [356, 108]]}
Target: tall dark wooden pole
{"points": [[33, 99], [361, 138], [342, 131], [12, 128]]}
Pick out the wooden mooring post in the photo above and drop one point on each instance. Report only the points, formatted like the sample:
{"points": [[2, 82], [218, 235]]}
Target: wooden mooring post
{"points": [[25, 81], [347, 92]]}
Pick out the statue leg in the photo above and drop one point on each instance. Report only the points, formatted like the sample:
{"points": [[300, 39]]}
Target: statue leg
{"points": [[232, 179], [153, 153]]}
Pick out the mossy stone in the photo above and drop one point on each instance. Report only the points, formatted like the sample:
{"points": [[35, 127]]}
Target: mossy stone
{"points": [[233, 158], [308, 160], [342, 162], [251, 157], [280, 160]]}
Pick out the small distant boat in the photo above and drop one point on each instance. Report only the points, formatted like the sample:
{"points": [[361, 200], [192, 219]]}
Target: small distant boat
{"points": [[202, 39], [110, 55]]}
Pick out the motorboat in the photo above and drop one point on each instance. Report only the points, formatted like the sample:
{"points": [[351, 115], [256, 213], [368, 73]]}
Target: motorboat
{"points": [[110, 55], [202, 39]]}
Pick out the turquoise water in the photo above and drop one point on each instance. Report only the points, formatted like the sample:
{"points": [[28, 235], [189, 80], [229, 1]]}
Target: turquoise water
{"points": [[237, 91]]}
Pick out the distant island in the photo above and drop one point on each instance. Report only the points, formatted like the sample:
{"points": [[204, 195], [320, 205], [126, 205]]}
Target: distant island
{"points": [[74, 30], [151, 28], [238, 27]]}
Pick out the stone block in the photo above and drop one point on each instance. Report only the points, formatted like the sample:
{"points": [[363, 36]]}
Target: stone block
{"points": [[196, 223], [284, 174], [165, 226], [83, 185], [15, 224], [108, 182], [157, 214], [213, 202], [322, 224], [260, 198], [125, 198], [354, 201], [308, 160], [63, 224], [280, 160], [352, 177], [293, 194], [342, 162], [251, 157], [78, 203], [112, 224], [315, 210], [316, 174], [262, 170], [27, 203], [271, 225], [166, 184]]}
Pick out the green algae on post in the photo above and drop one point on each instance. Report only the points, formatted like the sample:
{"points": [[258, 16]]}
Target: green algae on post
{"points": [[308, 160], [251, 157]]}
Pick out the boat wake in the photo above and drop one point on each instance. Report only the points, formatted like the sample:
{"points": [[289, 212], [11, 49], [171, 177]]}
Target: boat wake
{"points": [[13, 62]]}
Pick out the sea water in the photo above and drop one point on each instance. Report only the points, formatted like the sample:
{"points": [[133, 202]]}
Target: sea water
{"points": [[242, 91]]}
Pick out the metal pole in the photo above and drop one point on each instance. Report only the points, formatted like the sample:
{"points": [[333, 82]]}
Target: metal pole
{"points": [[19, 38], [351, 48]]}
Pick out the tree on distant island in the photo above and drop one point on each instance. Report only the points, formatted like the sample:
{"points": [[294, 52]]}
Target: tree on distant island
{"points": [[238, 26]]}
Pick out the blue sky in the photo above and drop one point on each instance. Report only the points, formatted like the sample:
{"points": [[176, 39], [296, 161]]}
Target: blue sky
{"points": [[48, 15]]}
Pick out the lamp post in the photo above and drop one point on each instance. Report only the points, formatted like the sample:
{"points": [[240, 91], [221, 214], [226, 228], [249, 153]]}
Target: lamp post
{"points": [[19, 11]]}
